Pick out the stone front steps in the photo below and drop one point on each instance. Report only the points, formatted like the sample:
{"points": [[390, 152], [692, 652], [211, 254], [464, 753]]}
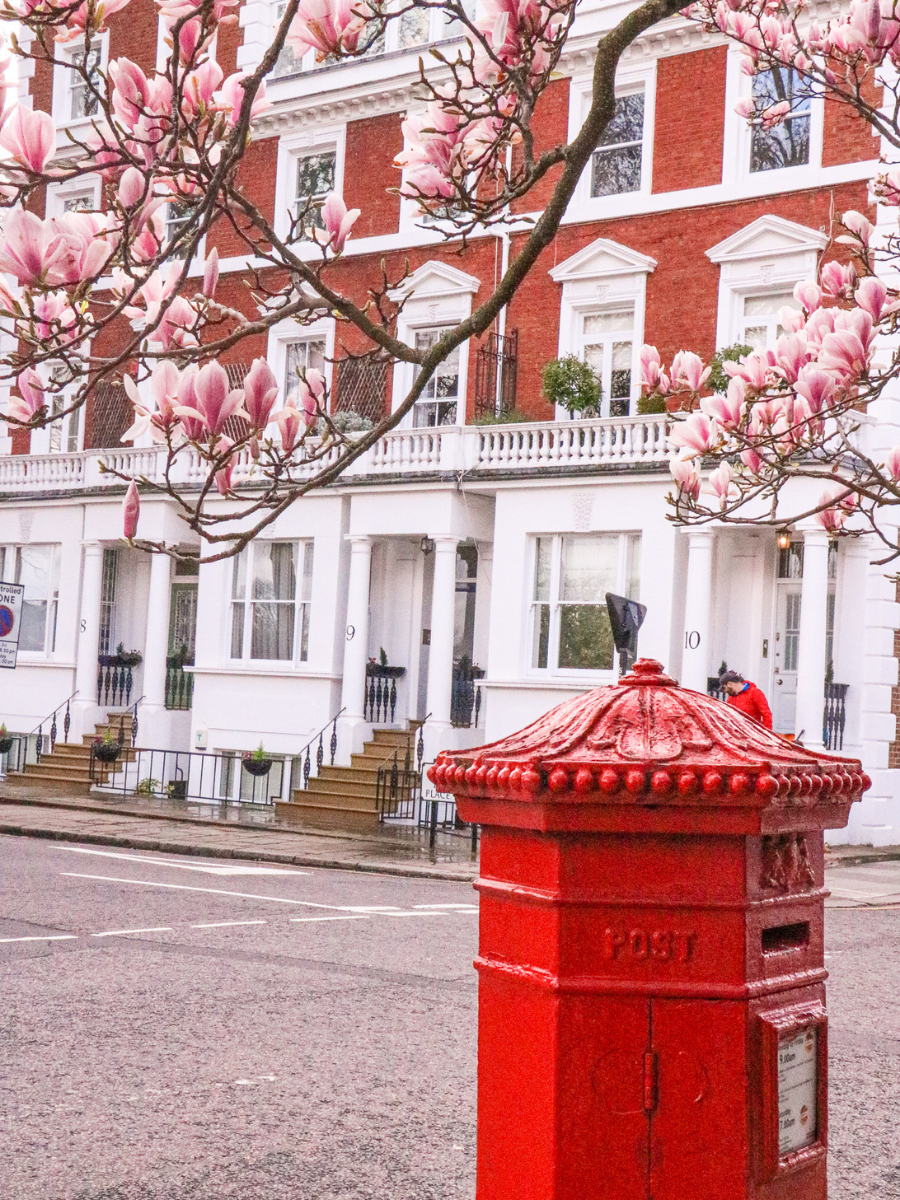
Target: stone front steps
{"points": [[347, 797], [68, 767]]}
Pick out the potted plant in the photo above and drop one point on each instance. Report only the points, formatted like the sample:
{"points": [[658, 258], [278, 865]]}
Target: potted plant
{"points": [[6, 740], [572, 384], [257, 762], [107, 748], [128, 658], [381, 667]]}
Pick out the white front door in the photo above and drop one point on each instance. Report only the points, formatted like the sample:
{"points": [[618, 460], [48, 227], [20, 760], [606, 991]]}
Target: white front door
{"points": [[787, 645]]}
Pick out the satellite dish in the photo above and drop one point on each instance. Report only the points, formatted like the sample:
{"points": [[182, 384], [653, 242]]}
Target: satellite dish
{"points": [[626, 617]]}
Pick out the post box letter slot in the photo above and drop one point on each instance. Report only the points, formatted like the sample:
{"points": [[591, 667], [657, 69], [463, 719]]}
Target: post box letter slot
{"points": [[785, 937]]}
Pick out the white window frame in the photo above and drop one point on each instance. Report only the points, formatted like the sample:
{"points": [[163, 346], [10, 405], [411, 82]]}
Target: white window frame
{"points": [[290, 150], [630, 541], [435, 295], [59, 193], [769, 320], [284, 334], [301, 605], [768, 255], [9, 571], [603, 277], [62, 83], [56, 437], [630, 78], [736, 156]]}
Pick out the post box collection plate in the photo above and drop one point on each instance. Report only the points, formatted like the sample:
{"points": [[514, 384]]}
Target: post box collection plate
{"points": [[797, 1090], [794, 1061]]}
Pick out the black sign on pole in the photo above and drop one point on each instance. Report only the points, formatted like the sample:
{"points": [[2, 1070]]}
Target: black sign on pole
{"points": [[626, 617]]}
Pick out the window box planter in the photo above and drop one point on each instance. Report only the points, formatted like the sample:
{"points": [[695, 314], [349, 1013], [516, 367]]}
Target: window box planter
{"points": [[377, 670], [257, 766]]}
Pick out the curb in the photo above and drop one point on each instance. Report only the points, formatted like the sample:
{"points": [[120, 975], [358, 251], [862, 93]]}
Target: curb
{"points": [[860, 860], [295, 860]]}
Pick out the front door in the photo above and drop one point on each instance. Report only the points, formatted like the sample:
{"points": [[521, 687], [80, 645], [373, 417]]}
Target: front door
{"points": [[182, 635], [787, 646]]}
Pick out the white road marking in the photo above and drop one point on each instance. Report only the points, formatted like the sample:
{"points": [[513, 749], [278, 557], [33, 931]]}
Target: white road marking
{"points": [[353, 917], [49, 937], [459, 907], [222, 924], [207, 868], [185, 887], [414, 914], [371, 908], [121, 932]]}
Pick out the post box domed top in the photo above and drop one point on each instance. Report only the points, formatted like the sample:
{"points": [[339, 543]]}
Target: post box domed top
{"points": [[649, 741]]}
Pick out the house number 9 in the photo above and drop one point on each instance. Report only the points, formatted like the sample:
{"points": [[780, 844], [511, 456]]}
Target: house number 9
{"points": [[351, 632], [691, 640]]}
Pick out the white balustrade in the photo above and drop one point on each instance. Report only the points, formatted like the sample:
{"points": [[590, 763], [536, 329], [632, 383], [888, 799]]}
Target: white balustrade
{"points": [[526, 447]]}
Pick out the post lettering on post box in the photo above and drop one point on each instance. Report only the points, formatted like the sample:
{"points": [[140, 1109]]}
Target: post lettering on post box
{"points": [[797, 1069], [10, 622]]}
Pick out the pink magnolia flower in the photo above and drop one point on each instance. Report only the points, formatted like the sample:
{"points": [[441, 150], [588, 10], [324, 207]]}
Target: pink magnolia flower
{"points": [[809, 295], [791, 355], [214, 402], [694, 435], [291, 425], [687, 476], [651, 366], [131, 510], [312, 394], [31, 397], [230, 98], [753, 368], [752, 461], [858, 225], [260, 391], [29, 135], [200, 86], [96, 12], [816, 387], [839, 279], [163, 420], [831, 519], [774, 114], [892, 463], [728, 410], [688, 371], [131, 91], [328, 26], [223, 475], [338, 222], [132, 188], [791, 319], [870, 296], [721, 484], [29, 246], [210, 273], [844, 353], [84, 249]]}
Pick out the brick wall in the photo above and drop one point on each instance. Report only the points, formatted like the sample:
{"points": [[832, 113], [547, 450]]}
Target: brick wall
{"points": [[369, 173], [689, 137]]}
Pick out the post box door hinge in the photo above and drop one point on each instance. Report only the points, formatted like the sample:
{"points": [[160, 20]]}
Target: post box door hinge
{"points": [[651, 1069]]}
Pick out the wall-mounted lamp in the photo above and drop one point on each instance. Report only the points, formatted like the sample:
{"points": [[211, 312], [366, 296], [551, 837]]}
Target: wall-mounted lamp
{"points": [[784, 539], [427, 545]]}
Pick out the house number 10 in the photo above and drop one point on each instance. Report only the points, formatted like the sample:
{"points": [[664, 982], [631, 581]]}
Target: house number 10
{"points": [[691, 640]]}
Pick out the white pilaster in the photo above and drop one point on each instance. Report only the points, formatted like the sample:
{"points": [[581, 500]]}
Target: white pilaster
{"points": [[698, 597], [440, 655], [811, 649], [85, 710], [356, 645], [154, 725]]}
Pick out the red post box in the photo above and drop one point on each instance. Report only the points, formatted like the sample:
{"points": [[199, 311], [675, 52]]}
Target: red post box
{"points": [[651, 1004]]}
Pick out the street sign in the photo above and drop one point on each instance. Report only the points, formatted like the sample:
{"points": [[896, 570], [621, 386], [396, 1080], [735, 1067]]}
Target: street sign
{"points": [[626, 617], [10, 621]]}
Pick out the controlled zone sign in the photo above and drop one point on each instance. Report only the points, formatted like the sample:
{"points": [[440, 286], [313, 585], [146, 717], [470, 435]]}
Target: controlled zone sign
{"points": [[10, 621]]}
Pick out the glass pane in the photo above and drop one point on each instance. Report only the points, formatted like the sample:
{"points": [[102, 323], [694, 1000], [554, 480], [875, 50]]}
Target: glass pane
{"points": [[274, 575], [755, 336], [589, 568], [299, 358], [304, 633], [627, 124], [72, 433], [585, 637], [84, 102], [287, 63], [541, 635], [783, 83], [790, 562], [615, 321], [615, 171], [543, 548], [786, 145], [80, 203], [34, 569], [306, 584], [593, 356], [239, 576], [768, 304], [633, 567], [429, 413], [237, 630], [272, 635], [620, 379], [414, 27], [315, 179], [792, 631]]}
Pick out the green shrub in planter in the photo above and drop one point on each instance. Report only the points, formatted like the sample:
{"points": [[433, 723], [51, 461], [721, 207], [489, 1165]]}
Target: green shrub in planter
{"points": [[571, 384], [650, 405], [718, 380]]}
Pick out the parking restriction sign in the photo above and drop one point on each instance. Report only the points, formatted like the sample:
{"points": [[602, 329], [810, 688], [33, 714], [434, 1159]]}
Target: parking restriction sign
{"points": [[10, 620]]}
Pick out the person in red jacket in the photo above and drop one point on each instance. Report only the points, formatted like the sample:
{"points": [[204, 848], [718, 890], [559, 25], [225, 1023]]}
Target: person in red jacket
{"points": [[747, 697]]}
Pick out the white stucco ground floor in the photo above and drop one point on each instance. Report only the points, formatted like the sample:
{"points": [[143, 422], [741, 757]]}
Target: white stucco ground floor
{"points": [[468, 593]]}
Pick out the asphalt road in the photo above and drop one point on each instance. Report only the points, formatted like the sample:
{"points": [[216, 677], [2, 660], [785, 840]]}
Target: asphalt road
{"points": [[197, 1030]]}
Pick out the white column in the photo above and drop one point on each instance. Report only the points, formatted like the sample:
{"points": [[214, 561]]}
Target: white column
{"points": [[156, 646], [85, 703], [696, 644], [811, 648], [440, 654], [357, 632]]}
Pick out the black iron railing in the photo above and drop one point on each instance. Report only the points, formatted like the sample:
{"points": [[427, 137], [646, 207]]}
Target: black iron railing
{"points": [[40, 745], [465, 695], [496, 370], [179, 684], [398, 785], [380, 704], [115, 680], [203, 776], [304, 760], [835, 715]]}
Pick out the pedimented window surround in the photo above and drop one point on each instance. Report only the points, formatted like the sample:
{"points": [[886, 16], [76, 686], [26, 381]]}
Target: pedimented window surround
{"points": [[603, 279], [769, 255]]}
